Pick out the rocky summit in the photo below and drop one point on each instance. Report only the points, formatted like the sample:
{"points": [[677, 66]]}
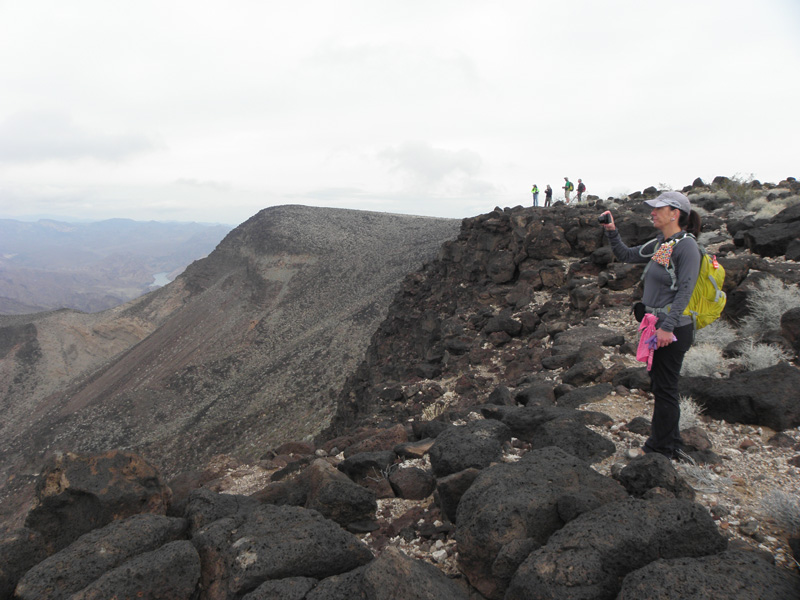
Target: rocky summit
{"points": [[475, 445]]}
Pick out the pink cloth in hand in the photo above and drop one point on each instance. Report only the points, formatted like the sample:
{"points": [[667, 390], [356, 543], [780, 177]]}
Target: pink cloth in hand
{"points": [[648, 341]]}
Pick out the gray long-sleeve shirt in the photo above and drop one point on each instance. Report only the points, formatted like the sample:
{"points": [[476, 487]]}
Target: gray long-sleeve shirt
{"points": [[657, 282]]}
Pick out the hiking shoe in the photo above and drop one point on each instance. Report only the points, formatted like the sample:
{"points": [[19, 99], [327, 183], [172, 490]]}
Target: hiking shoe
{"points": [[681, 456]]}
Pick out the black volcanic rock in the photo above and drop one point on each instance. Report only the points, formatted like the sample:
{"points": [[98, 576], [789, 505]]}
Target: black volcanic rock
{"points": [[20, 550], [171, 571], [96, 554], [653, 470], [735, 574], [509, 502], [590, 555], [475, 445], [273, 542], [76, 494], [764, 397], [391, 576]]}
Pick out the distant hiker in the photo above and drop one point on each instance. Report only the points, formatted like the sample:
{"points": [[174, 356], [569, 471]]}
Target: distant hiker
{"points": [[581, 189], [535, 192], [567, 187], [665, 299], [548, 195]]}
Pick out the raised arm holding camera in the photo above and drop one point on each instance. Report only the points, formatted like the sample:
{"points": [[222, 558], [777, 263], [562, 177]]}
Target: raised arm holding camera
{"points": [[669, 280]]}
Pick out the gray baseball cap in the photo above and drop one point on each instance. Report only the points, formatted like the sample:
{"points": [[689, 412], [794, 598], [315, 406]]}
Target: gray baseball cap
{"points": [[673, 199]]}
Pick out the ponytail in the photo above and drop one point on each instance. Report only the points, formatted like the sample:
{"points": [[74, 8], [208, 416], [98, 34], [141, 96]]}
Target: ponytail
{"points": [[690, 223]]}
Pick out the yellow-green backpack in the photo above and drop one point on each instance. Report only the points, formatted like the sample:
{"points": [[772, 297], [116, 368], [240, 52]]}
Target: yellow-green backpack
{"points": [[708, 300]]}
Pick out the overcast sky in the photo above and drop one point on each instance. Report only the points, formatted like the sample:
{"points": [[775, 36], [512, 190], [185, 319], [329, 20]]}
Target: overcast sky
{"points": [[211, 111]]}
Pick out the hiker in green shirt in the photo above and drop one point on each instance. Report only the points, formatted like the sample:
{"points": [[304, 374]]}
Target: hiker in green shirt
{"points": [[535, 192], [567, 187]]}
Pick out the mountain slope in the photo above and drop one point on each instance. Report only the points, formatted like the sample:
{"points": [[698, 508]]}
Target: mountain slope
{"points": [[259, 339]]}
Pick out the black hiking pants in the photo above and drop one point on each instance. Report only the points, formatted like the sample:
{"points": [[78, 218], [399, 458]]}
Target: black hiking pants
{"points": [[665, 435]]}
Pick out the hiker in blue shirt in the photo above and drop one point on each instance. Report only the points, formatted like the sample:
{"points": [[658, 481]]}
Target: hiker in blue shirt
{"points": [[666, 295]]}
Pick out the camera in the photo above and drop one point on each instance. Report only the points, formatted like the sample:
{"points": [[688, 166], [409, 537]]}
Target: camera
{"points": [[604, 219]]}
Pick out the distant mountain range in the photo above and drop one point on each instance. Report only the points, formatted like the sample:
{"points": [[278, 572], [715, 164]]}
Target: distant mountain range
{"points": [[48, 265]]}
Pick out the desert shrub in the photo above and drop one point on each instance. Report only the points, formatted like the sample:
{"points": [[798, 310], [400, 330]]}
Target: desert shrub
{"points": [[770, 209], [784, 509], [766, 305], [738, 188], [690, 412], [760, 356], [757, 204], [719, 333], [702, 360]]}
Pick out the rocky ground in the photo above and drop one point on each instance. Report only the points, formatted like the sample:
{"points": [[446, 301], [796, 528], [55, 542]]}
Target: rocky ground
{"points": [[752, 469]]}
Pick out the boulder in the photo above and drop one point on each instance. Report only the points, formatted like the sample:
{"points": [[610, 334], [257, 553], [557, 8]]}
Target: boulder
{"points": [[640, 426], [390, 576], [695, 438], [536, 394], [476, 445], [790, 327], [735, 574], [793, 251], [291, 588], [501, 395], [77, 493], [385, 439], [790, 214], [503, 323], [501, 267], [336, 497], [583, 373], [584, 395], [765, 397], [414, 450], [623, 276], [96, 553], [20, 549], [574, 438], [653, 470], [171, 571], [589, 556], [529, 499], [555, 426], [633, 378], [204, 507], [771, 239], [242, 551], [367, 464], [428, 429], [451, 488], [412, 483]]}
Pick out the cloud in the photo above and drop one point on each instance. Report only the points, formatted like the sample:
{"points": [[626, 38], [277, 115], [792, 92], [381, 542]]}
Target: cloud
{"points": [[33, 137], [427, 164], [221, 186]]}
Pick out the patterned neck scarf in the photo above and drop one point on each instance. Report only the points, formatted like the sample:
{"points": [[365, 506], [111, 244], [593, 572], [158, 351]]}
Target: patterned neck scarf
{"points": [[664, 253]]}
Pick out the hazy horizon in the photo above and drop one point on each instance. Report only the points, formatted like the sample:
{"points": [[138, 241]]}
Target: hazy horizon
{"points": [[209, 113]]}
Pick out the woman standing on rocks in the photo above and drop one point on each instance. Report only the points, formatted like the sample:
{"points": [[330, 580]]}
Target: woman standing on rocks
{"points": [[668, 284]]}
